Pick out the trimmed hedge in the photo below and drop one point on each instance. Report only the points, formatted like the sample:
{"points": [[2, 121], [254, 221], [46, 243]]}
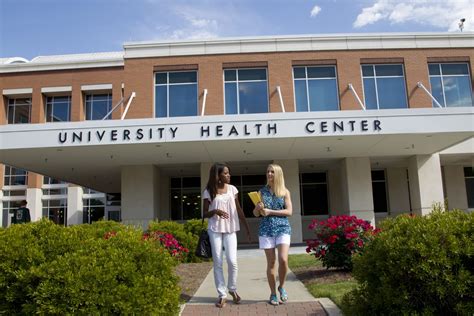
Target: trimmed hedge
{"points": [[50, 269], [417, 266]]}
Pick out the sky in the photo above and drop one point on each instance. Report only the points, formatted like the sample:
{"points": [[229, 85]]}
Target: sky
{"points": [[30, 28]]}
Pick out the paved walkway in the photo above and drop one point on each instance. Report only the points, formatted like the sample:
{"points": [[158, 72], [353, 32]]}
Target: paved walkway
{"points": [[253, 288]]}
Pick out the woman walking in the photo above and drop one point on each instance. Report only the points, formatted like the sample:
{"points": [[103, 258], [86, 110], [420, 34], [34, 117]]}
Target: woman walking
{"points": [[274, 230], [221, 205]]}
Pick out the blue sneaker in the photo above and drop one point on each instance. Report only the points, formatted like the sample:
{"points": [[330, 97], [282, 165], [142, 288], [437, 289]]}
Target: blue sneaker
{"points": [[283, 294], [274, 300]]}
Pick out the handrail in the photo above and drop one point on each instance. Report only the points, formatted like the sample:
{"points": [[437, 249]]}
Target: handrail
{"points": [[351, 87], [110, 112], [281, 99], [204, 97], [420, 85], [132, 96]]}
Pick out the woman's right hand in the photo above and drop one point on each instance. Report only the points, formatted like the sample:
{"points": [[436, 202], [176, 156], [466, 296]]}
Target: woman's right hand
{"points": [[222, 214]]}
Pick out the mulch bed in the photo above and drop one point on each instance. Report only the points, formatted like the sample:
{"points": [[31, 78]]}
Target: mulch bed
{"points": [[316, 274], [191, 276]]}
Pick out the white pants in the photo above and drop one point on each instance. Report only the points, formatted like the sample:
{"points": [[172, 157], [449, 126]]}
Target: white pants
{"points": [[229, 241]]}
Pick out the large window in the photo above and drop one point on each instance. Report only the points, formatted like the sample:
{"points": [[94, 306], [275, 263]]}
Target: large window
{"points": [[379, 191], [15, 176], [384, 86], [316, 88], [176, 94], [19, 111], [58, 109], [97, 106], [55, 200], [246, 91], [314, 193], [93, 206], [14, 190], [469, 177], [451, 84], [185, 198]]}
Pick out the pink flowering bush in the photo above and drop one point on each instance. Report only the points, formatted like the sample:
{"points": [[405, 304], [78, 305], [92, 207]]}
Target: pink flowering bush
{"points": [[168, 241], [338, 238]]}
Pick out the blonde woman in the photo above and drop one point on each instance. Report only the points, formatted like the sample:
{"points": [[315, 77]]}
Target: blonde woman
{"points": [[275, 230]]}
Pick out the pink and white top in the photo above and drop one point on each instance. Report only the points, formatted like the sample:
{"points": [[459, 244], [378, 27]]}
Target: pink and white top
{"points": [[226, 203]]}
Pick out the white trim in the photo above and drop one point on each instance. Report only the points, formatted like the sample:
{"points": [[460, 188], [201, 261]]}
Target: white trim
{"points": [[96, 87], [56, 89], [13, 198], [22, 91], [14, 187], [298, 43], [32, 66], [54, 197]]}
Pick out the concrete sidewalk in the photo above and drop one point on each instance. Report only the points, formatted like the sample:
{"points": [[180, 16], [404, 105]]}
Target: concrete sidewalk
{"points": [[253, 288]]}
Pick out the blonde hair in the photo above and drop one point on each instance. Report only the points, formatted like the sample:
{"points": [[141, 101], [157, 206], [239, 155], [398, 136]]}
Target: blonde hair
{"points": [[278, 180]]}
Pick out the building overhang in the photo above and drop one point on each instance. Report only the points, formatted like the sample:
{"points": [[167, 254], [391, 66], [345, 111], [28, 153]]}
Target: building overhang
{"points": [[91, 153]]}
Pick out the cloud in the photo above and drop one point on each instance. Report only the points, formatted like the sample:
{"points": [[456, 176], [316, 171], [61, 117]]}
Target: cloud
{"points": [[442, 14], [316, 9]]}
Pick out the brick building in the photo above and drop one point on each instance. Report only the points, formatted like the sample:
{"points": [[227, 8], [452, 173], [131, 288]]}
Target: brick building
{"points": [[371, 125]]}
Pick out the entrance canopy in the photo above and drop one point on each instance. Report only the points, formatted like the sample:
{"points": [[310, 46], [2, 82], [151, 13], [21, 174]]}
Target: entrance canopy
{"points": [[91, 153]]}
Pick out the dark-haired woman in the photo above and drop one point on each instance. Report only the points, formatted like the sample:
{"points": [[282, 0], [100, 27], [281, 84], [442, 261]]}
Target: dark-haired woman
{"points": [[221, 205]]}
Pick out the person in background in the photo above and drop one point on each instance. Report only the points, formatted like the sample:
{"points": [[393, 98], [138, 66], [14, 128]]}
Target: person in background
{"points": [[22, 214], [275, 230], [221, 205]]}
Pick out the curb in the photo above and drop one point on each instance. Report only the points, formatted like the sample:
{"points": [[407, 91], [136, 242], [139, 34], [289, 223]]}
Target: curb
{"points": [[329, 307]]}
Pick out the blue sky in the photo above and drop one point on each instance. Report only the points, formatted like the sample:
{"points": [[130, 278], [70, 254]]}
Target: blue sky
{"points": [[30, 28]]}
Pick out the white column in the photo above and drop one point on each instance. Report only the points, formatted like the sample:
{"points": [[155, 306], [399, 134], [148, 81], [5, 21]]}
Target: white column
{"points": [[426, 186], [455, 185], [35, 204], [2, 220], [140, 194], [74, 205], [292, 182], [357, 188], [398, 195]]}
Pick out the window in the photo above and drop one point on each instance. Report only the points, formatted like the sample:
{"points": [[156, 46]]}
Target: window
{"points": [[379, 191], [19, 111], [185, 198], [469, 177], [384, 87], [246, 91], [97, 106], [246, 184], [176, 94], [58, 109], [55, 200], [314, 193], [316, 88], [451, 84], [15, 176], [9, 206]]}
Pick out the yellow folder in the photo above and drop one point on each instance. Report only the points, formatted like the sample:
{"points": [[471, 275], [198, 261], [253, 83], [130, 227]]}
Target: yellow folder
{"points": [[255, 197]]}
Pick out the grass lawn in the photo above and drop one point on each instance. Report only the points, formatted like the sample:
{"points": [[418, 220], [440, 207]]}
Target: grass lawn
{"points": [[320, 281]]}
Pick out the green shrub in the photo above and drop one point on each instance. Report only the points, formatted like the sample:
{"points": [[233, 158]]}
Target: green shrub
{"points": [[417, 266], [49, 269], [186, 239], [195, 226]]}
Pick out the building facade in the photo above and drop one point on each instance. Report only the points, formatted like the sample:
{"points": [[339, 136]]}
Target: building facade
{"points": [[367, 125]]}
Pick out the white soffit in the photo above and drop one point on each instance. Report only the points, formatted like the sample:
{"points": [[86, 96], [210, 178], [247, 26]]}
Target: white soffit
{"points": [[23, 91], [56, 89], [95, 87]]}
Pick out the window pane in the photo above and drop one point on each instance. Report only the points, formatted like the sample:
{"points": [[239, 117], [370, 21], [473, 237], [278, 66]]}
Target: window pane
{"points": [[176, 204], [437, 90], [469, 171], [321, 72], [378, 175], [252, 74], [192, 182], [191, 204], [391, 93], [183, 77], [230, 75], [323, 95], [253, 97], [315, 199], [100, 109], [183, 100], [22, 114], [258, 180], [368, 71], [433, 69], [161, 78], [299, 72], [301, 96], [457, 91], [380, 196], [161, 100], [60, 109], [454, 69], [370, 96], [389, 70], [231, 98], [175, 182], [318, 177], [470, 192]]}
